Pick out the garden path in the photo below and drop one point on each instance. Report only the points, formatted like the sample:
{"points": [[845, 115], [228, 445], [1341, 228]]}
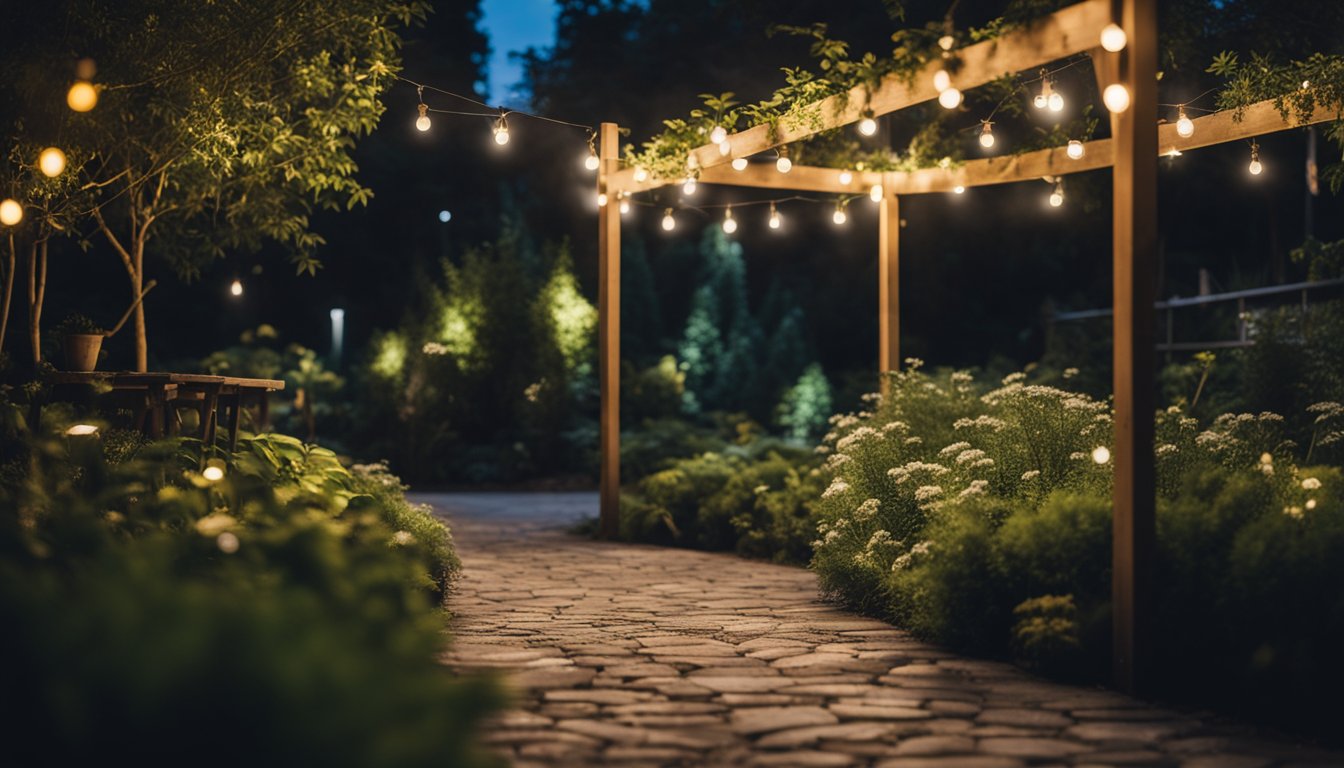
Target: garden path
{"points": [[635, 655]]}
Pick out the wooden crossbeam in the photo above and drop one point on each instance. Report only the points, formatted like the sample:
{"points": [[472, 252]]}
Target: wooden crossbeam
{"points": [[1219, 128]]}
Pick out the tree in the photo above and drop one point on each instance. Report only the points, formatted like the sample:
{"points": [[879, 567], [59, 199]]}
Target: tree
{"points": [[220, 126]]}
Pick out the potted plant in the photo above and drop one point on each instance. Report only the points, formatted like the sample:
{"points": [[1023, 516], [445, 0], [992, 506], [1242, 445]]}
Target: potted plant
{"points": [[81, 341]]}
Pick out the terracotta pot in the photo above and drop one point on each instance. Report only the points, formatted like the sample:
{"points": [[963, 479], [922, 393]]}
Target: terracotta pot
{"points": [[81, 351]]}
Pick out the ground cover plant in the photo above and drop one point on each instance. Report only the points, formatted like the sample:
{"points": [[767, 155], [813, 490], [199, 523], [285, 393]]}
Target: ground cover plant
{"points": [[277, 607]]}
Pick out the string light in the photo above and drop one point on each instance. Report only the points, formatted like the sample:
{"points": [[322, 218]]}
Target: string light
{"points": [[591, 162], [601, 199], [1075, 150], [502, 130], [1184, 125], [82, 96], [1101, 454], [11, 212], [625, 204], [959, 190], [688, 186], [729, 223], [775, 221], [641, 175], [718, 135], [1116, 97], [51, 161], [725, 148], [236, 288], [875, 193], [1048, 97], [1057, 196], [839, 217], [445, 216], [783, 164], [422, 122], [739, 164], [946, 42], [1113, 38], [950, 98], [941, 80], [986, 134], [846, 177], [868, 124], [1255, 167], [669, 223]]}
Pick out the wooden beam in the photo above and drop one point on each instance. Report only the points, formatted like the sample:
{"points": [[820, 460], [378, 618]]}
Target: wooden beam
{"points": [[1134, 259], [888, 286], [802, 178], [609, 335]]}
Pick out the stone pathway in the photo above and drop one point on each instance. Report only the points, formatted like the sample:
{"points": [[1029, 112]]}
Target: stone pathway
{"points": [[634, 655]]}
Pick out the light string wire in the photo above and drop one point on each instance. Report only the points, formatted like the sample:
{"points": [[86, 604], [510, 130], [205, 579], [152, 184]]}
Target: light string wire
{"points": [[496, 111]]}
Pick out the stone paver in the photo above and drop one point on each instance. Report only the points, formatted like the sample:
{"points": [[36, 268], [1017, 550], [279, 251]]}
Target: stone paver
{"points": [[634, 655]]}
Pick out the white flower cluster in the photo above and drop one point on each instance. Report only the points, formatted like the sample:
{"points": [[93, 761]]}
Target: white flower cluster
{"points": [[954, 449], [927, 492], [976, 488], [867, 510], [855, 437], [837, 487], [1031, 474], [902, 473], [980, 422]]}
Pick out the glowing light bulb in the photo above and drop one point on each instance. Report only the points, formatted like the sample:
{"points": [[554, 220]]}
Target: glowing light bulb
{"points": [[875, 193], [641, 175], [669, 223], [1116, 97], [1306, 84], [213, 473], [1101, 454], [1040, 101], [725, 148], [422, 122], [1057, 196], [445, 216], [839, 217], [1184, 126], [1056, 101], [236, 288], [946, 42], [1255, 168], [1075, 150], [82, 96], [941, 80], [729, 223], [846, 177], [739, 164], [783, 164], [688, 186], [950, 98], [625, 206], [11, 212], [1113, 38], [501, 131], [718, 134], [986, 136], [867, 126], [775, 221], [591, 162], [601, 199], [51, 161], [958, 190]]}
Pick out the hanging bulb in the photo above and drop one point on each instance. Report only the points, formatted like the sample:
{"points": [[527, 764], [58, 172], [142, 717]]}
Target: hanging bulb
{"points": [[688, 186], [839, 217], [846, 177], [641, 175], [950, 98], [729, 223], [1056, 101], [958, 190], [1075, 150], [669, 223], [1184, 126], [941, 80], [237, 288], [1101, 454], [82, 96], [867, 125], [591, 162], [1057, 196], [625, 204], [718, 134], [51, 161], [1255, 167], [422, 122], [725, 148], [986, 135], [783, 164], [775, 221], [601, 199], [502, 131], [1116, 97], [11, 212], [1042, 99], [946, 42], [875, 193], [1113, 38], [739, 164]]}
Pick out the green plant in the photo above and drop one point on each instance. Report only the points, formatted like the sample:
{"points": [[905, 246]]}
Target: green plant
{"points": [[75, 324]]}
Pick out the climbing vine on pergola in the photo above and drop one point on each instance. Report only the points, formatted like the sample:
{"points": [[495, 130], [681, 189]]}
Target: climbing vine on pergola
{"points": [[1127, 61]]}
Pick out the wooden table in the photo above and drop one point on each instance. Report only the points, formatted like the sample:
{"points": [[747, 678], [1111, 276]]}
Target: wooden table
{"points": [[159, 395]]}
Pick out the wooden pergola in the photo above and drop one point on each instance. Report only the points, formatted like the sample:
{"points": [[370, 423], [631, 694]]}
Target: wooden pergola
{"points": [[1137, 141]]}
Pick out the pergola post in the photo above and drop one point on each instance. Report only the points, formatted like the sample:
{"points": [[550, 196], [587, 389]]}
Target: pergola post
{"points": [[609, 335], [888, 284], [1134, 258]]}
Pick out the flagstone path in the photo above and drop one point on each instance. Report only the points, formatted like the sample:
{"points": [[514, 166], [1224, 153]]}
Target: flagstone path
{"points": [[634, 655]]}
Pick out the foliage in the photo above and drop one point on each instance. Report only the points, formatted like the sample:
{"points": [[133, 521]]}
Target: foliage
{"points": [[76, 324], [286, 612], [803, 410]]}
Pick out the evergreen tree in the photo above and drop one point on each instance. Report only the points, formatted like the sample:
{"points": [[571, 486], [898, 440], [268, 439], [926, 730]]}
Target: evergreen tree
{"points": [[641, 314]]}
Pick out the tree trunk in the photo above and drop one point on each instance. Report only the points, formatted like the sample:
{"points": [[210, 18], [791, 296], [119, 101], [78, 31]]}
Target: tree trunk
{"points": [[137, 286], [37, 293], [9, 294]]}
